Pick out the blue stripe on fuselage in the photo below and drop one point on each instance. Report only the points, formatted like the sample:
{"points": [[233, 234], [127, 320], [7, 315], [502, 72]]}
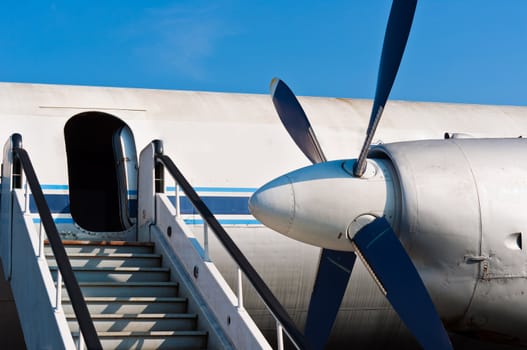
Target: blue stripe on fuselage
{"points": [[219, 205]]}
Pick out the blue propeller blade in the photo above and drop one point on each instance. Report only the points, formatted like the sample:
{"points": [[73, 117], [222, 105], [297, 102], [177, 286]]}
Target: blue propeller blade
{"points": [[295, 121], [335, 267], [384, 253], [395, 38], [334, 271]]}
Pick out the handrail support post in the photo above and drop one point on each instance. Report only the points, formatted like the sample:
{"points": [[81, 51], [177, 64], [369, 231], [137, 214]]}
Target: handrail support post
{"points": [[206, 256], [240, 289], [80, 341], [26, 198], [279, 335], [178, 202], [58, 294], [40, 241]]}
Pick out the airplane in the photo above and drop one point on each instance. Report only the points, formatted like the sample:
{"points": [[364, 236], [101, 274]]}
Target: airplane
{"points": [[437, 223], [229, 144]]}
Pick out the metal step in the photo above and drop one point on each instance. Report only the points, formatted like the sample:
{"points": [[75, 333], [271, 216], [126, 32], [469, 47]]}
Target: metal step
{"points": [[138, 322], [105, 247], [183, 340], [131, 299], [110, 260], [127, 289], [119, 274], [131, 305]]}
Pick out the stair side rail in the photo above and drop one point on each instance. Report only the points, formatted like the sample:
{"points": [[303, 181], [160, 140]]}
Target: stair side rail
{"points": [[86, 326], [282, 318]]}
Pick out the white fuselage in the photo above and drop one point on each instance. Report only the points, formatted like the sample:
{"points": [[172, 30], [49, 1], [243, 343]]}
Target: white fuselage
{"points": [[227, 145]]}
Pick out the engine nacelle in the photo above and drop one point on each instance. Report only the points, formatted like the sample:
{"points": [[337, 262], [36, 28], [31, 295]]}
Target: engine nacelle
{"points": [[458, 206], [462, 217]]}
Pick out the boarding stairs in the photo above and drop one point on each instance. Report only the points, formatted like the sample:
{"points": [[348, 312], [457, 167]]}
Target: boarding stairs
{"points": [[130, 295], [158, 291]]}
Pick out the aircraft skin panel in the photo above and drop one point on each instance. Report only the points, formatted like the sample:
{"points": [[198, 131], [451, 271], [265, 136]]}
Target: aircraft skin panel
{"points": [[228, 145], [439, 221], [209, 131], [503, 271], [467, 245]]}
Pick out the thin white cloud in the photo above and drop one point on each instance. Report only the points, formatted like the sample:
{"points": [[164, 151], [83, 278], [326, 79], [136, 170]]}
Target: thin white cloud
{"points": [[182, 37]]}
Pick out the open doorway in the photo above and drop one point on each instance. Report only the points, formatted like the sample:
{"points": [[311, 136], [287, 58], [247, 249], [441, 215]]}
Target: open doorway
{"points": [[102, 171]]}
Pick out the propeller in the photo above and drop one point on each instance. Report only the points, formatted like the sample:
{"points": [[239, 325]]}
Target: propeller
{"points": [[383, 254], [376, 244], [334, 271], [334, 268], [397, 31], [295, 121]]}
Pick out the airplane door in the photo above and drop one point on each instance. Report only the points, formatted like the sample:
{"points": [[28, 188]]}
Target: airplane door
{"points": [[126, 169], [102, 172]]}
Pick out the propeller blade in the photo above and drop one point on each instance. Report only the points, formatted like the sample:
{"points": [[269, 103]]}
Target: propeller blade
{"points": [[334, 271], [395, 38], [391, 266], [295, 121]]}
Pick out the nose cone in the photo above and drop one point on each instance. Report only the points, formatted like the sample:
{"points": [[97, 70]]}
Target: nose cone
{"points": [[274, 204], [318, 204]]}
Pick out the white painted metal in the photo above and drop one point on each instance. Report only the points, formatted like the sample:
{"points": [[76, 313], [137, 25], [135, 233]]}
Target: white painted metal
{"points": [[183, 250], [178, 201], [279, 336], [455, 204], [136, 304], [242, 144], [206, 254], [80, 342], [319, 204], [457, 135], [6, 232], [145, 189], [29, 276], [240, 288], [26, 197], [58, 292], [126, 171], [33, 287], [40, 253], [235, 126], [463, 201]]}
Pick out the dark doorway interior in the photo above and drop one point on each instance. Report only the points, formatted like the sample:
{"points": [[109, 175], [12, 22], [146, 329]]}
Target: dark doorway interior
{"points": [[95, 191]]}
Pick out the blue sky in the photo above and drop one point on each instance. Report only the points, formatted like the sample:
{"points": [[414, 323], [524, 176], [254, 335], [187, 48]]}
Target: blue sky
{"points": [[471, 51]]}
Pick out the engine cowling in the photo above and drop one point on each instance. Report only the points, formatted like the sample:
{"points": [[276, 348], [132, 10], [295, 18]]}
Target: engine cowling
{"points": [[462, 216], [458, 207]]}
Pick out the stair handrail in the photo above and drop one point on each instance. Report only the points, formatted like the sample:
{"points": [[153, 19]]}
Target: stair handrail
{"points": [[267, 296], [78, 303]]}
